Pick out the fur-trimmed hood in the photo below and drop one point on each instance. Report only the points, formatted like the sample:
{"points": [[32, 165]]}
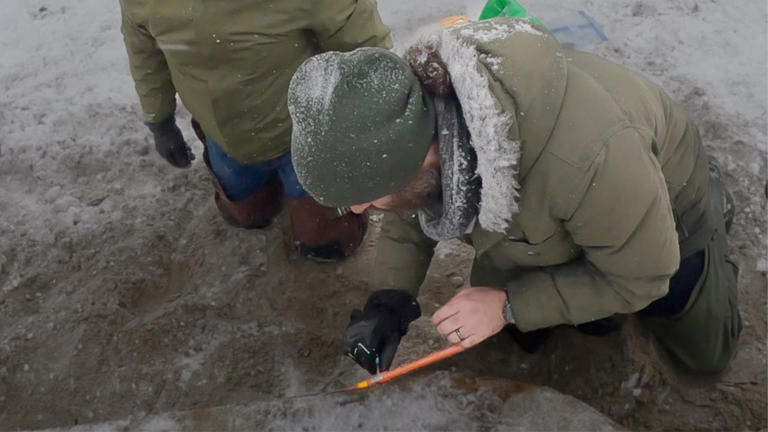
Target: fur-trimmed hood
{"points": [[509, 76]]}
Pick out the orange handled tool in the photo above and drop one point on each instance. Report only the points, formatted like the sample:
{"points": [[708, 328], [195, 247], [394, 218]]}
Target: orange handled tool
{"points": [[408, 367]]}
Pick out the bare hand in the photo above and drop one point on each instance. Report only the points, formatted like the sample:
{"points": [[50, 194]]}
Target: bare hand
{"points": [[477, 312]]}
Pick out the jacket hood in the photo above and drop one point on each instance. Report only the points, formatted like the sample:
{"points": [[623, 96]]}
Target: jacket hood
{"points": [[509, 76]]}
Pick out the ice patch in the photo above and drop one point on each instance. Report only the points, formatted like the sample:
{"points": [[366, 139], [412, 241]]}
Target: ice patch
{"points": [[189, 365], [762, 265]]}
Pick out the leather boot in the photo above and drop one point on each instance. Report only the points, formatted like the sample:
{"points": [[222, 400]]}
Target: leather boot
{"points": [[254, 212], [322, 234]]}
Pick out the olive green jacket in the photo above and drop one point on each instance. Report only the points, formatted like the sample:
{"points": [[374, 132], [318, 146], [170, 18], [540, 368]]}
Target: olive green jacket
{"points": [[604, 178], [231, 61]]}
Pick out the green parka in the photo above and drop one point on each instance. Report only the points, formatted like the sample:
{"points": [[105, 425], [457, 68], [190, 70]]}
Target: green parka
{"points": [[231, 62], [609, 175]]}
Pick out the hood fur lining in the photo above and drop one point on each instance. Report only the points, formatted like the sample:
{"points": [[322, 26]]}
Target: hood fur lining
{"points": [[498, 155]]}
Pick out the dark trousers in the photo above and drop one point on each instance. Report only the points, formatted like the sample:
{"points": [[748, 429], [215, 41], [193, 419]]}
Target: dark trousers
{"points": [[699, 323]]}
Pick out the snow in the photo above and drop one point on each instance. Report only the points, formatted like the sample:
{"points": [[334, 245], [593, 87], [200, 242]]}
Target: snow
{"points": [[497, 30], [91, 217]]}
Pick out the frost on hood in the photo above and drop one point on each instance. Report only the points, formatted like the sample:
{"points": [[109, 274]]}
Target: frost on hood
{"points": [[493, 30], [498, 156]]}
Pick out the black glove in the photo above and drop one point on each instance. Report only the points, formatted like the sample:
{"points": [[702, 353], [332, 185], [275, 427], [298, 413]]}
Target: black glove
{"points": [[374, 333], [169, 142]]}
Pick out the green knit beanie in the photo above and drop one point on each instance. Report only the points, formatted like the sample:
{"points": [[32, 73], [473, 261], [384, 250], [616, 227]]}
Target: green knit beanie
{"points": [[361, 125]]}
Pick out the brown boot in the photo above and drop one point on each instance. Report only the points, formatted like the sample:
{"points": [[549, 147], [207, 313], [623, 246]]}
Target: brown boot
{"points": [[254, 212], [322, 234]]}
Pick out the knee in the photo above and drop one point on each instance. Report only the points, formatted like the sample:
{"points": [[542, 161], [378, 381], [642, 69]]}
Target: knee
{"points": [[254, 212], [710, 352]]}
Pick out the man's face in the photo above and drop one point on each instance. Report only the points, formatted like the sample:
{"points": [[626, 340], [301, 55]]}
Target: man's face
{"points": [[423, 188]]}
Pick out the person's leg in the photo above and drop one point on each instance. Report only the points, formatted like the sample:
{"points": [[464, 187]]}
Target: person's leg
{"points": [[247, 196], [254, 212], [703, 336], [238, 181], [322, 233]]}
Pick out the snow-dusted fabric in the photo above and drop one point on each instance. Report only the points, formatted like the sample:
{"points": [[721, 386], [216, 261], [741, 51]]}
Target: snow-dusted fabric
{"points": [[493, 134], [361, 125], [498, 154], [240, 102], [450, 216]]}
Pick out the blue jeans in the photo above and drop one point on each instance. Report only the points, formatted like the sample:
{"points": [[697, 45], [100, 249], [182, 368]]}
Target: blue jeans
{"points": [[240, 181]]}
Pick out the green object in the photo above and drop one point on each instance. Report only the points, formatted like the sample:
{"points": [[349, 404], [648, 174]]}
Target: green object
{"points": [[231, 63], [362, 125], [508, 8]]}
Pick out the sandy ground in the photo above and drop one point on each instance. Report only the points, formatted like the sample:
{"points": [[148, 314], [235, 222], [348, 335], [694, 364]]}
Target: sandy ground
{"points": [[123, 293]]}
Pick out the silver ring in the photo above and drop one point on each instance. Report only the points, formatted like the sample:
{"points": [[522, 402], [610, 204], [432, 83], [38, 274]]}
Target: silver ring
{"points": [[459, 335]]}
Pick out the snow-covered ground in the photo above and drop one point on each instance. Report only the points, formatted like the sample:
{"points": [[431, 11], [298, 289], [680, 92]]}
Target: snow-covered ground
{"points": [[122, 292]]}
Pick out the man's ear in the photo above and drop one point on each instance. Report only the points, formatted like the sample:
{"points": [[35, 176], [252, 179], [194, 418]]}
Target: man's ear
{"points": [[429, 68]]}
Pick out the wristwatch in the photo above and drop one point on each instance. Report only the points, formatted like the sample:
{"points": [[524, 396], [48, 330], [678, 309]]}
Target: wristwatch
{"points": [[508, 315]]}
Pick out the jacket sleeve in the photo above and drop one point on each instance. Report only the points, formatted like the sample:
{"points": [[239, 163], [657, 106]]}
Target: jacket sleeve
{"points": [[343, 25], [403, 254], [625, 226], [149, 70]]}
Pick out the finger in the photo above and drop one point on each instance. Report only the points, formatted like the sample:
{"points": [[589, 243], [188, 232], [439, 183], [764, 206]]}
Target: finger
{"points": [[444, 312], [449, 324], [453, 338]]}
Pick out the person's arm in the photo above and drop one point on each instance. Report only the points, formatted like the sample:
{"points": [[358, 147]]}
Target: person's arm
{"points": [[149, 70], [403, 254], [156, 91], [344, 25], [625, 226]]}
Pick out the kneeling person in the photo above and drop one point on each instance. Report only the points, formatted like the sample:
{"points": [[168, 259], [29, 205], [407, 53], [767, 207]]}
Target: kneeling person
{"points": [[231, 63], [583, 188]]}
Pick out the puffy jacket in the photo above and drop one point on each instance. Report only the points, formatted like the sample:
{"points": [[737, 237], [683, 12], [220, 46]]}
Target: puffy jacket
{"points": [[231, 62], [609, 179]]}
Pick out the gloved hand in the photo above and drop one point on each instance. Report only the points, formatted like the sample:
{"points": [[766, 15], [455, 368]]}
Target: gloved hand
{"points": [[169, 142], [374, 333]]}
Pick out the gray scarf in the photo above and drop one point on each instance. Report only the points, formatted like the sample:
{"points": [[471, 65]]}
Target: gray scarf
{"points": [[449, 216]]}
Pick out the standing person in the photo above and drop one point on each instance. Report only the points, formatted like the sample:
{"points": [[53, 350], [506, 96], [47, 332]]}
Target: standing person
{"points": [[584, 190], [231, 63]]}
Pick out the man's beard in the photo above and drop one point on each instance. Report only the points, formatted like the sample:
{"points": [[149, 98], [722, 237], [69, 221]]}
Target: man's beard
{"points": [[425, 187]]}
